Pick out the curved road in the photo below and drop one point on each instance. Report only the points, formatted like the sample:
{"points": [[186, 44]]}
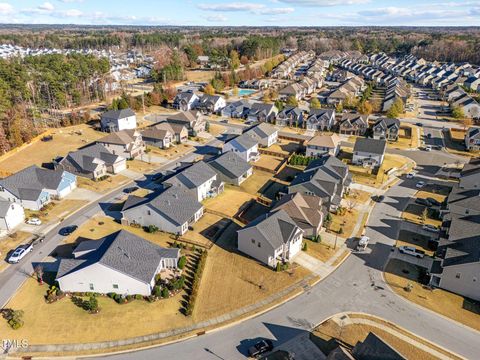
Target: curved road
{"points": [[357, 285]]}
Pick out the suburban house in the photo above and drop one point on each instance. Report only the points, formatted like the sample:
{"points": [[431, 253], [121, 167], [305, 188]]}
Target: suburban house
{"points": [[211, 104], [231, 168], [172, 211], [296, 90], [118, 120], [126, 143], [121, 263], [353, 124], [185, 101], [470, 174], [326, 177], [11, 215], [305, 210], [321, 145], [243, 145], [290, 116], [265, 134], [271, 238], [34, 187], [159, 136], [237, 109], [179, 130], [193, 120], [321, 120], [472, 83], [369, 152], [200, 179], [472, 139], [262, 112], [93, 162], [386, 129]]}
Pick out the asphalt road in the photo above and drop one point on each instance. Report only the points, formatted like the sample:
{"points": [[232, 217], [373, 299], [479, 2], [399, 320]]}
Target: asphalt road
{"points": [[357, 285], [13, 277]]}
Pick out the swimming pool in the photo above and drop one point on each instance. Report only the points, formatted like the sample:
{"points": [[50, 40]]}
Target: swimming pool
{"points": [[244, 92]]}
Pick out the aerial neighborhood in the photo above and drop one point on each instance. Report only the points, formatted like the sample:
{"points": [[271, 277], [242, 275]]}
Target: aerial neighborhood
{"points": [[201, 191]]}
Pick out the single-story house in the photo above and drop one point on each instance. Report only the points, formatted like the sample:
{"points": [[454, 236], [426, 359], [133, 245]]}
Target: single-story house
{"points": [[369, 152], [34, 187], [321, 145], [271, 238], [231, 168], [11, 215], [118, 120], [126, 143], [121, 263]]}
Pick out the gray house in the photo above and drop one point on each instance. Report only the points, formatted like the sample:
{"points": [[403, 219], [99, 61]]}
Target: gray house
{"points": [[263, 112], [126, 143], [321, 120], [369, 152], [121, 263], [353, 124], [386, 129], [192, 120], [472, 138], [185, 101], [265, 134], [93, 162], [271, 238], [326, 177], [159, 137], [118, 120], [231, 168], [290, 116], [237, 109]]}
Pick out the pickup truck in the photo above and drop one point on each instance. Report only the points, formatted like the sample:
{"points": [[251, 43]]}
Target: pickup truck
{"points": [[410, 250]]}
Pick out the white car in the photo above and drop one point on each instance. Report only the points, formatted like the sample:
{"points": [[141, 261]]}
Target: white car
{"points": [[428, 148], [431, 228], [34, 221], [410, 175], [19, 253], [420, 184], [410, 250]]}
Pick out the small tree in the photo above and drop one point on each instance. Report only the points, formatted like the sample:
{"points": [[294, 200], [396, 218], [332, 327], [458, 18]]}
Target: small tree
{"points": [[209, 90], [39, 273], [424, 215], [365, 108], [292, 101], [457, 112], [182, 262], [165, 293], [207, 126], [91, 305], [340, 231], [305, 246], [315, 104]]}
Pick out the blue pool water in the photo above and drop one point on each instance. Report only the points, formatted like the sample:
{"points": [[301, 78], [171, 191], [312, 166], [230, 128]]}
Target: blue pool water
{"points": [[244, 92]]}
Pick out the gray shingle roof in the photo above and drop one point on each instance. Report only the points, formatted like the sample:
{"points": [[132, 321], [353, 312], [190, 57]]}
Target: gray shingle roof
{"points": [[27, 184], [4, 207], [231, 165], [245, 141], [263, 130], [118, 114], [370, 146], [195, 175], [86, 156], [124, 252]]}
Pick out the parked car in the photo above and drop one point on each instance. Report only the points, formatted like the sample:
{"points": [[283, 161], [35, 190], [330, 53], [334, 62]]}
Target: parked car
{"points": [[363, 243], [419, 124], [410, 250], [434, 202], [421, 201], [378, 198], [19, 253], [67, 230], [428, 148], [34, 221], [420, 184], [411, 175], [431, 228], [260, 348], [130, 189]]}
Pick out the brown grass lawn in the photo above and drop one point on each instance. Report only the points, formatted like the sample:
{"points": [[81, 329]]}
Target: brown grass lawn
{"points": [[38, 152], [458, 135], [320, 251], [413, 213], [285, 147], [230, 201], [269, 162], [325, 333], [56, 210], [216, 129], [231, 280], [360, 196], [426, 194], [405, 141], [393, 161], [256, 182], [103, 186], [346, 221], [173, 151], [140, 166], [200, 75], [9, 243], [205, 229], [441, 301]]}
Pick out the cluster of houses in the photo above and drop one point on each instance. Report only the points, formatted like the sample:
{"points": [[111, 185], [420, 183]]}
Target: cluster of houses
{"points": [[286, 69], [348, 89], [456, 267]]}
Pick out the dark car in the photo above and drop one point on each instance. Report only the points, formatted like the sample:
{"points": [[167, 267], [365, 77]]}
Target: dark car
{"points": [[130, 189], [423, 202], [260, 348], [157, 177], [419, 124], [434, 202], [67, 230], [378, 198]]}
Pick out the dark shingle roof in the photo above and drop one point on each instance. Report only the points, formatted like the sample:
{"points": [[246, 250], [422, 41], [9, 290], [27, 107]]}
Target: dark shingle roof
{"points": [[195, 175], [118, 114], [86, 156], [124, 252], [231, 165], [370, 146]]}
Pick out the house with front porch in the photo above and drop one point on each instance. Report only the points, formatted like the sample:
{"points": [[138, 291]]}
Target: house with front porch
{"points": [[369, 152], [321, 119], [126, 143], [386, 129]]}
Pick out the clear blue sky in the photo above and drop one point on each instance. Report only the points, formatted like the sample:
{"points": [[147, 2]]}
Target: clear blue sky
{"points": [[252, 12]]}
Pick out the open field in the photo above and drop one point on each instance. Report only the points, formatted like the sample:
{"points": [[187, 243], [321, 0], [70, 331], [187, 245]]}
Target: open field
{"points": [[353, 328], [102, 186], [9, 243], [443, 302], [39, 152], [56, 210]]}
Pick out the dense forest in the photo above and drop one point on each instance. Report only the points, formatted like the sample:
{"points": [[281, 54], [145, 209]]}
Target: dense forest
{"points": [[46, 82]]}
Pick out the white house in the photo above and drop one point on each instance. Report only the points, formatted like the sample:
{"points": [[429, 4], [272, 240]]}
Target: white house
{"points": [[11, 215], [271, 238], [369, 152], [243, 145], [265, 134], [121, 263], [118, 120]]}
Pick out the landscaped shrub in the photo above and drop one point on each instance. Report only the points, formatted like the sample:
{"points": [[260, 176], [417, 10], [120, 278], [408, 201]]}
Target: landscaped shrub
{"points": [[182, 262], [196, 282], [177, 284], [91, 305], [13, 317], [111, 295], [304, 247], [157, 291], [151, 229], [165, 293], [138, 297]]}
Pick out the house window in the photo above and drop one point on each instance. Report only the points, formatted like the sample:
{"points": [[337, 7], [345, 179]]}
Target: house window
{"points": [[91, 287], [259, 245], [458, 275], [148, 212], [115, 286], [253, 241]]}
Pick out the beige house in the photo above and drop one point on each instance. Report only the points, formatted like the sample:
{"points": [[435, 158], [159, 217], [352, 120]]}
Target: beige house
{"points": [[323, 145], [126, 143]]}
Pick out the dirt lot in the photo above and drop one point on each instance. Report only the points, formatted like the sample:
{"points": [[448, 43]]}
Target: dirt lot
{"points": [[39, 152], [350, 333], [9, 243], [102, 186], [443, 302]]}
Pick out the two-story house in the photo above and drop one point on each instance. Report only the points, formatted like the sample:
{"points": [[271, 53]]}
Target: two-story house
{"points": [[118, 120], [321, 145], [386, 129], [126, 143]]}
